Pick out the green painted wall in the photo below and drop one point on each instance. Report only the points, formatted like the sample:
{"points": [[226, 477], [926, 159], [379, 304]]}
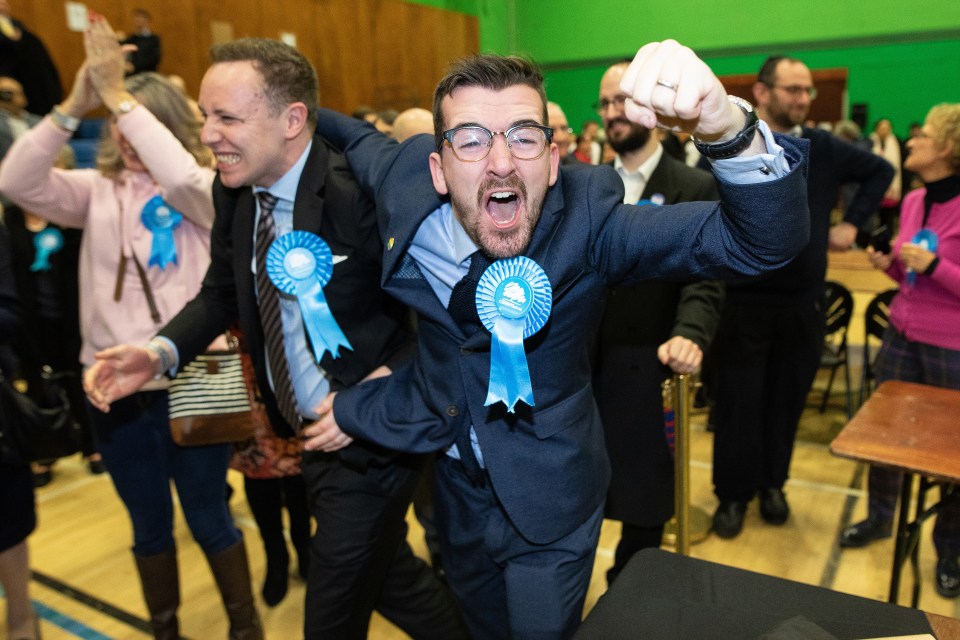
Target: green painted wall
{"points": [[602, 28], [900, 81], [902, 58]]}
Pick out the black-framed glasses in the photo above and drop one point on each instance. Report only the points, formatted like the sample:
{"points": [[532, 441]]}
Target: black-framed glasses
{"points": [[796, 90], [604, 104], [472, 143]]}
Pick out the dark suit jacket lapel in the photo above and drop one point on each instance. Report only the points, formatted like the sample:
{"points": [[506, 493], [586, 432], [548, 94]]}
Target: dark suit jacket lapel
{"points": [[555, 263], [662, 181], [308, 207]]}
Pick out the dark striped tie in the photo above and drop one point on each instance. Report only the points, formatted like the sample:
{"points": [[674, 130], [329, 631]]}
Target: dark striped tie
{"points": [[463, 309], [270, 314]]}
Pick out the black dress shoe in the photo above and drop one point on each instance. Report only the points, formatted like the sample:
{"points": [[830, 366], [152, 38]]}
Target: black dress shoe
{"points": [[728, 518], [948, 577], [773, 506], [864, 532], [96, 466]]}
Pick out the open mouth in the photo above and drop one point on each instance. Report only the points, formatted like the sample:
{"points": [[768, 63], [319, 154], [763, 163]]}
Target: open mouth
{"points": [[503, 200], [502, 207]]}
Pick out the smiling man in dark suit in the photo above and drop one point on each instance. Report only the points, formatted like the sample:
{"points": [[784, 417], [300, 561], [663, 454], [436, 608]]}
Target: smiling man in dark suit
{"points": [[276, 177], [520, 492], [648, 331]]}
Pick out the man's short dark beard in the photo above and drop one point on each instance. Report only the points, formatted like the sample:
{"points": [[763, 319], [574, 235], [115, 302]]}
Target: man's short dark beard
{"points": [[637, 138]]}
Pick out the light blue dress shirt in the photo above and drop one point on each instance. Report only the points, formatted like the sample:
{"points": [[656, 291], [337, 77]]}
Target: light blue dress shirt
{"points": [[310, 383]]}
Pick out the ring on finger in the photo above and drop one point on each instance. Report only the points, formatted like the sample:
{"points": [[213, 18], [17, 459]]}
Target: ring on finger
{"points": [[667, 84]]}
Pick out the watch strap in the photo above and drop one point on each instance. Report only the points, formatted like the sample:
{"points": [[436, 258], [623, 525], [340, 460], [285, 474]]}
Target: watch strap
{"points": [[736, 145], [64, 121]]}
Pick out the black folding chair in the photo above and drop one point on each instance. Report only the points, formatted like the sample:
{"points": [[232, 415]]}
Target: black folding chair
{"points": [[876, 319], [837, 311]]}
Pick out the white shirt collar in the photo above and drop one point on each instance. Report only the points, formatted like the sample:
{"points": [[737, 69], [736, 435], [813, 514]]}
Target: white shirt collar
{"points": [[646, 169]]}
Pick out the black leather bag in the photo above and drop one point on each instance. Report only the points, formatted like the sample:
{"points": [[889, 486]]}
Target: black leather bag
{"points": [[33, 430]]}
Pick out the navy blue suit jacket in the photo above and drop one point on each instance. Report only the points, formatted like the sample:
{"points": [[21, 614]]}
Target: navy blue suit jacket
{"points": [[547, 464]]}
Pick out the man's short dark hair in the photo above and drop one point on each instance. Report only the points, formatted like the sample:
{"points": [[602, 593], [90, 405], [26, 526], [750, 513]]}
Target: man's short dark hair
{"points": [[768, 71], [488, 71], [287, 75]]}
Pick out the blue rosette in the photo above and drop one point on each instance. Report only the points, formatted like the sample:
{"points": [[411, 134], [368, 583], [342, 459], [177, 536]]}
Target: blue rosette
{"points": [[161, 219], [926, 239], [300, 264], [46, 243], [514, 299]]}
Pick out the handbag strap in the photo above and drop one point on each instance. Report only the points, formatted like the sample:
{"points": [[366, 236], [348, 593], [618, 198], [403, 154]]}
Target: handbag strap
{"points": [[122, 268], [147, 290]]}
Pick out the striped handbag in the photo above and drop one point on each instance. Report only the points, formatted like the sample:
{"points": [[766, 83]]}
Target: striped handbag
{"points": [[209, 401]]}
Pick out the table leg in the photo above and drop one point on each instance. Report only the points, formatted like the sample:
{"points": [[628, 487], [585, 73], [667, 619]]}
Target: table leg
{"points": [[916, 534], [903, 535]]}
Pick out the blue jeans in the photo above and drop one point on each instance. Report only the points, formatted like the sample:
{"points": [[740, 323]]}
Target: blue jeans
{"points": [[134, 439]]}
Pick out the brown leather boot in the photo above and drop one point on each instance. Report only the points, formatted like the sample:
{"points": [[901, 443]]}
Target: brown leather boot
{"points": [[232, 575], [161, 591]]}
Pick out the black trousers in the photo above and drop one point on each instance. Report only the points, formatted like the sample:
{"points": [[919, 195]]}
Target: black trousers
{"points": [[360, 559], [765, 360], [267, 497]]}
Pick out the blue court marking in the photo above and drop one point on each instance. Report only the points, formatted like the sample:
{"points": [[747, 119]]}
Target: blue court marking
{"points": [[67, 623]]}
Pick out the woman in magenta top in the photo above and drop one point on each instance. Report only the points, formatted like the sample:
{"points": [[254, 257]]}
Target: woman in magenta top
{"points": [[922, 343]]}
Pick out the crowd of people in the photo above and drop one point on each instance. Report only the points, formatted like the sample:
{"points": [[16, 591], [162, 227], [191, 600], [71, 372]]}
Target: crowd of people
{"points": [[515, 423]]}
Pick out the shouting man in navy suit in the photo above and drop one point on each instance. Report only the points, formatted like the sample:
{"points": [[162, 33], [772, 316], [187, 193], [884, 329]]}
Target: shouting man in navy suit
{"points": [[501, 384]]}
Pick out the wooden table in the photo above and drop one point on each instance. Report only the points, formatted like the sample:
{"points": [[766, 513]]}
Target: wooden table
{"points": [[853, 270], [943, 628], [915, 429]]}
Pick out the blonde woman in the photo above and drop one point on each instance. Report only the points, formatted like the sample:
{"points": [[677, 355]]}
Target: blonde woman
{"points": [[146, 212]]}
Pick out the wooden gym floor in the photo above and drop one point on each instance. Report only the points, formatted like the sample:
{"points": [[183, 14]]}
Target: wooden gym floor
{"points": [[86, 586]]}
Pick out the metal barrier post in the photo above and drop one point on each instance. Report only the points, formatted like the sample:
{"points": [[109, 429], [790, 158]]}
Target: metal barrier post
{"points": [[688, 525]]}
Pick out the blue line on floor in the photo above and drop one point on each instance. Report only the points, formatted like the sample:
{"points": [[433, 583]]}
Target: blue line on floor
{"points": [[67, 623]]}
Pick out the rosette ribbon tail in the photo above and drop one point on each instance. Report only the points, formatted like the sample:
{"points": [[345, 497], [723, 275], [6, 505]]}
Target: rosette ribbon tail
{"points": [[509, 372], [324, 332], [41, 261], [161, 219], [46, 243], [163, 250]]}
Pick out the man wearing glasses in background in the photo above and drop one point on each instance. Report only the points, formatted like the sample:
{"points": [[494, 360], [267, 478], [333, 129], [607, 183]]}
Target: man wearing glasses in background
{"points": [[767, 348], [520, 489]]}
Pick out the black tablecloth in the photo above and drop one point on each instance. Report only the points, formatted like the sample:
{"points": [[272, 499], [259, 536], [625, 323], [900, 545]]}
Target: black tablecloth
{"points": [[665, 596]]}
